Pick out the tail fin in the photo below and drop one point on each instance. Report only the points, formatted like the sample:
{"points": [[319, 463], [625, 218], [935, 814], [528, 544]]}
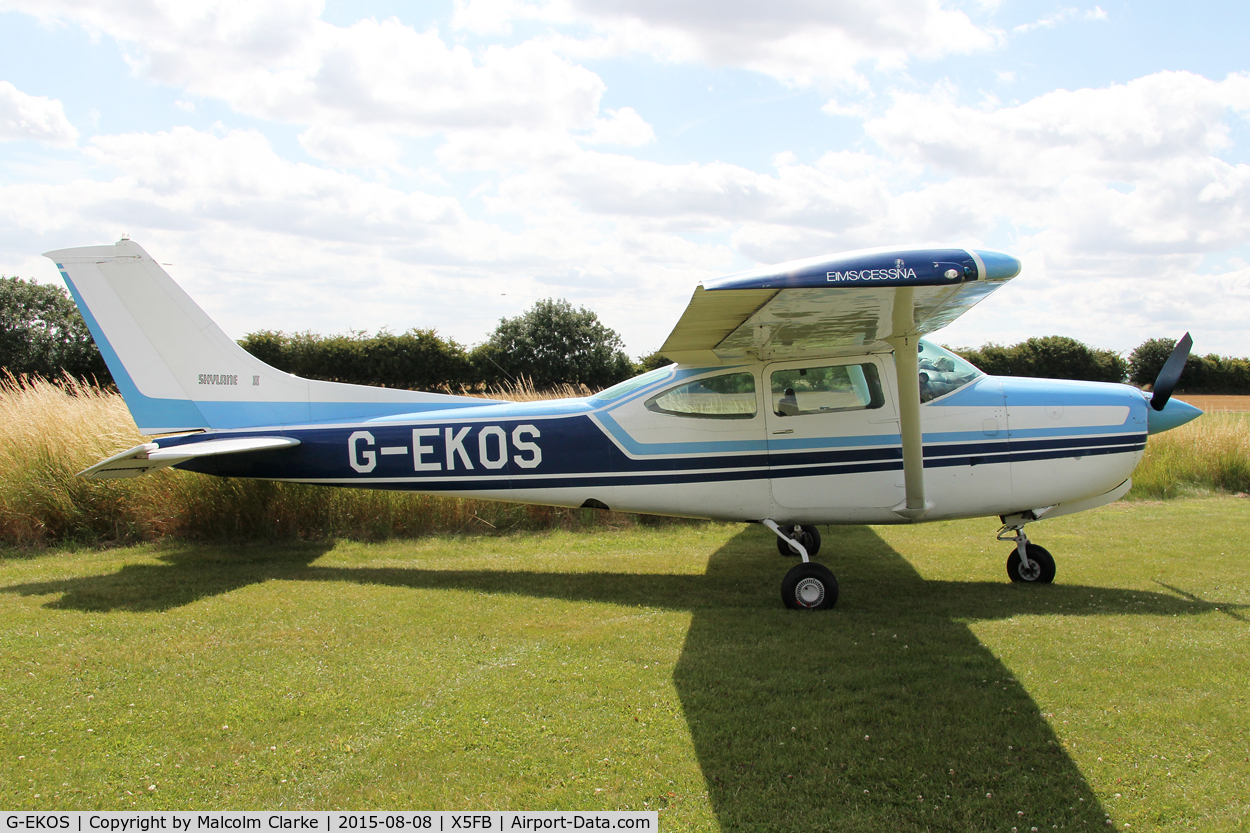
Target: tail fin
{"points": [[178, 371]]}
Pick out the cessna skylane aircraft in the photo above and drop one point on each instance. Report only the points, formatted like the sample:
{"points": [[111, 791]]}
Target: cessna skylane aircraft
{"points": [[801, 394]]}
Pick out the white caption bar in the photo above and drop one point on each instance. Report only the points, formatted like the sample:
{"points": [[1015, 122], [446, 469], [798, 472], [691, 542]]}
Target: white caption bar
{"points": [[331, 822]]}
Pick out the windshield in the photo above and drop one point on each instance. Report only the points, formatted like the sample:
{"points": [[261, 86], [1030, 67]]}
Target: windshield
{"points": [[941, 371]]}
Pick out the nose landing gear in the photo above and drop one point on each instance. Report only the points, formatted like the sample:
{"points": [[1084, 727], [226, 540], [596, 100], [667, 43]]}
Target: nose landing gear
{"points": [[1028, 562]]}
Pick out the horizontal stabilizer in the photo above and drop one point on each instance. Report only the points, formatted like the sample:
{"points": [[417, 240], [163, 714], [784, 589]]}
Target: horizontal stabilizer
{"points": [[149, 457]]}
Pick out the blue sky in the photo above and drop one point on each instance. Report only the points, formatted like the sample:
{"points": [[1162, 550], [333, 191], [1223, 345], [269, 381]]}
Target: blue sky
{"points": [[335, 166]]}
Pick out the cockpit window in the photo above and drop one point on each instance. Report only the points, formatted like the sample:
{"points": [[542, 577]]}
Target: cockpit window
{"points": [[941, 371], [728, 396]]}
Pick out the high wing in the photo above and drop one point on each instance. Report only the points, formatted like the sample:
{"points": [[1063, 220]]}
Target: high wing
{"points": [[855, 302]]}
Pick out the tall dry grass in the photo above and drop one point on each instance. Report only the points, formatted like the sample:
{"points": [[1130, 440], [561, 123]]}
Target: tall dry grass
{"points": [[1210, 454], [49, 432]]}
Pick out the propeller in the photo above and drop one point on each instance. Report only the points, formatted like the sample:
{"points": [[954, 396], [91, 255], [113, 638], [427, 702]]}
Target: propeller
{"points": [[1166, 381]]}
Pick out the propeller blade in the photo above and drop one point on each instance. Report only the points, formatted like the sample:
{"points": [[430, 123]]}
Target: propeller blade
{"points": [[1166, 381]]}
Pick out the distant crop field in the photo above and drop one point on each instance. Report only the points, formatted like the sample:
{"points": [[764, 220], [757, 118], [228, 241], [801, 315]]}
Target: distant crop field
{"points": [[1211, 403], [648, 668]]}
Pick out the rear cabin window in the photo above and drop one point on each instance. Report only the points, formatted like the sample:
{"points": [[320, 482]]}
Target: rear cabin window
{"points": [[630, 385], [821, 390], [729, 396]]}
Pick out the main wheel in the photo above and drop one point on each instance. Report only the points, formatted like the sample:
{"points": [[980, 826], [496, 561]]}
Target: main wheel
{"points": [[808, 536], [1041, 565], [809, 586]]}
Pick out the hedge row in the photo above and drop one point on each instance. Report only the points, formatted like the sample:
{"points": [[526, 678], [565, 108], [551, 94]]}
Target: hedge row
{"points": [[551, 344]]}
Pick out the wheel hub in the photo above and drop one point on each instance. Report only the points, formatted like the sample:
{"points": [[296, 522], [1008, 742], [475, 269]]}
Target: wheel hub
{"points": [[809, 592], [1030, 571]]}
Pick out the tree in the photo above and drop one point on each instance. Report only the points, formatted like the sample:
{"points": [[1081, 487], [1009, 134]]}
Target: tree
{"points": [[552, 344], [417, 359], [994, 359], [1202, 374], [1050, 357], [42, 333], [1147, 359], [1060, 357], [651, 361]]}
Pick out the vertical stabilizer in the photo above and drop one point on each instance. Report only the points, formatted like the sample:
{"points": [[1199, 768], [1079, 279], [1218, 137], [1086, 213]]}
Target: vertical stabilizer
{"points": [[178, 371]]}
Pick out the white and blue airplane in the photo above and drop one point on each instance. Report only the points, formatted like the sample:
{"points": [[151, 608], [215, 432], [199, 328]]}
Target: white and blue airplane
{"points": [[801, 394]]}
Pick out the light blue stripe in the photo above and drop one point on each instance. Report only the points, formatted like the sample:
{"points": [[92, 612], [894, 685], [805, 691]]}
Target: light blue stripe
{"points": [[859, 441], [503, 410], [656, 449]]}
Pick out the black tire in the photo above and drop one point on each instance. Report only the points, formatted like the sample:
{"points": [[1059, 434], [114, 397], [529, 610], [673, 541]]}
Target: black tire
{"points": [[1043, 564], [809, 537], [809, 586]]}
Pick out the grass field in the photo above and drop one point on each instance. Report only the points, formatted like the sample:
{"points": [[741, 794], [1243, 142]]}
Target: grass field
{"points": [[648, 668]]}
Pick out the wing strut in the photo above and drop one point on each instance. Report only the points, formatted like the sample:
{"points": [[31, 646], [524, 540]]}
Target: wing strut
{"points": [[905, 340]]}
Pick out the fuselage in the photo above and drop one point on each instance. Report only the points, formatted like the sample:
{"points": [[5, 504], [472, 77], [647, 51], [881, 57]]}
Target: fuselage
{"points": [[801, 441]]}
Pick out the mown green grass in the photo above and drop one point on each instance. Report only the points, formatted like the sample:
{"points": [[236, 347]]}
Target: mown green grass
{"points": [[647, 668]]}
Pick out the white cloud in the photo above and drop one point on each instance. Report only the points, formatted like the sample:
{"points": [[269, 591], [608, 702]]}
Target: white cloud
{"points": [[1059, 18], [291, 245], [621, 127], [1049, 22], [279, 60], [351, 147], [1127, 169], [33, 118], [793, 40], [546, 197]]}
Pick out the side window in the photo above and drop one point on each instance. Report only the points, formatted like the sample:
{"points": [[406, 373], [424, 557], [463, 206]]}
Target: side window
{"points": [[820, 390], [729, 396]]}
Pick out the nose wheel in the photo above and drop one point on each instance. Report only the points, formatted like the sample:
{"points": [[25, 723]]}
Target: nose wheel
{"points": [[1028, 563], [1039, 569]]}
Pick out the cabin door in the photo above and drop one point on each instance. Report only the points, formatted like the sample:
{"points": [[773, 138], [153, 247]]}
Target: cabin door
{"points": [[833, 444]]}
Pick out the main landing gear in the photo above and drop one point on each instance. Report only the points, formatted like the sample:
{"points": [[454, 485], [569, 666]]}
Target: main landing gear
{"points": [[808, 536], [807, 586], [1028, 562]]}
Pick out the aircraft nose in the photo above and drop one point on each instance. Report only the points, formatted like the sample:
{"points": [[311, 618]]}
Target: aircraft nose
{"points": [[1174, 414]]}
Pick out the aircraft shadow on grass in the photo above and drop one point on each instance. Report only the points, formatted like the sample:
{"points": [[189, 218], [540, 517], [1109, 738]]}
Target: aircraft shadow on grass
{"points": [[884, 713]]}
